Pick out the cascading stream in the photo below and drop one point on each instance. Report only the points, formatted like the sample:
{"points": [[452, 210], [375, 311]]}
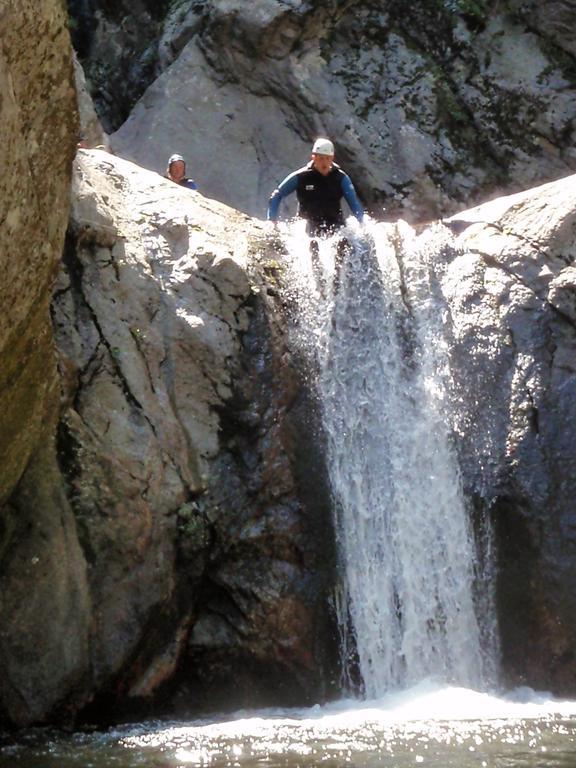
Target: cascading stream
{"points": [[406, 546]]}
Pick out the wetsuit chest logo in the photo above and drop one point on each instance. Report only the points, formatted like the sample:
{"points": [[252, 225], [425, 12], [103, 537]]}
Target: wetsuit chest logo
{"points": [[309, 186]]}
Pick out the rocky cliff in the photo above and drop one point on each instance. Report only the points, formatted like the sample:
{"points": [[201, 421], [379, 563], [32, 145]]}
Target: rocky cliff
{"points": [[433, 105], [165, 534], [39, 126], [179, 553], [506, 280], [183, 446], [36, 154], [179, 530]]}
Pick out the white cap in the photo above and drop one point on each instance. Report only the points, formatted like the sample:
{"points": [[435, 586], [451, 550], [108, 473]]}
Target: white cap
{"points": [[323, 147], [174, 159]]}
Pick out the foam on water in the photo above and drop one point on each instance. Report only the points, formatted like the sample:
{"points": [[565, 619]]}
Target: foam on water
{"points": [[426, 702], [439, 724]]}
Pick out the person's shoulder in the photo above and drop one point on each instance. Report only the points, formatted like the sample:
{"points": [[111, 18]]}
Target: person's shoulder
{"points": [[189, 184], [342, 175], [300, 171], [292, 178]]}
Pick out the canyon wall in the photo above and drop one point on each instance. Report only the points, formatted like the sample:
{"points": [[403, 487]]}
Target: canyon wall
{"points": [[433, 107]]}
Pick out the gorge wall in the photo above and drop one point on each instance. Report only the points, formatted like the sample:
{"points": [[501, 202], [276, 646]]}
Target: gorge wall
{"points": [[39, 125], [165, 533], [185, 447], [173, 525], [502, 280], [433, 106], [36, 156]]}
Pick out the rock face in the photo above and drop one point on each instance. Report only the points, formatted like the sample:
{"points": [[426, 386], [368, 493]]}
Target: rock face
{"points": [[117, 42], [91, 132], [191, 538], [36, 89], [172, 547], [433, 107], [504, 279], [165, 534], [37, 531], [192, 467]]}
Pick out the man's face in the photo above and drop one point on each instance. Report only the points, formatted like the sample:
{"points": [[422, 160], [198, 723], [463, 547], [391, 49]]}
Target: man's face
{"points": [[323, 163], [177, 170]]}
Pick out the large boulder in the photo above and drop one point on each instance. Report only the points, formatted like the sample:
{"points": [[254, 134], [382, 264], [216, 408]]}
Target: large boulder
{"points": [[42, 600], [185, 450], [38, 142], [169, 522]]}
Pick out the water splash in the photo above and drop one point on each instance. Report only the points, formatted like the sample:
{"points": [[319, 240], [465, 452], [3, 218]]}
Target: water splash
{"points": [[408, 554]]}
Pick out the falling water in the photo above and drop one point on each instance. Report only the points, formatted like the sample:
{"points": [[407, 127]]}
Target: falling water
{"points": [[408, 554]]}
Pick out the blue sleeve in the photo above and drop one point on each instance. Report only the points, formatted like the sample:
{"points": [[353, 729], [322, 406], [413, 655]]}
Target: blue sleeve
{"points": [[282, 190], [190, 184], [352, 198]]}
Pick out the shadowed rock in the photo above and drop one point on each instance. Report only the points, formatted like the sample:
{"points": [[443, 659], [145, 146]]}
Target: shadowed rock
{"points": [[42, 596]]}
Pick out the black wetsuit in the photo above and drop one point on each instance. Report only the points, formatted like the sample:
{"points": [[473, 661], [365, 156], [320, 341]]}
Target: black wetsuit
{"points": [[319, 198]]}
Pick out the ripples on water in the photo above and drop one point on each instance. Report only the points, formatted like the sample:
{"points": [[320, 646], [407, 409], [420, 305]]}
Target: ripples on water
{"points": [[434, 727]]}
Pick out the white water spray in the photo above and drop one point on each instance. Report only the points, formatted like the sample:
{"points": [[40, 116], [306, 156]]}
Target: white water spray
{"points": [[405, 540]]}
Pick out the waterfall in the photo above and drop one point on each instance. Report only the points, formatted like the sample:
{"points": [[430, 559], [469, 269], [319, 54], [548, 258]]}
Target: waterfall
{"points": [[409, 559]]}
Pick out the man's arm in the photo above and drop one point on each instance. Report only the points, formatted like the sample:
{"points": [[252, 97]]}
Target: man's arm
{"points": [[352, 198], [282, 190]]}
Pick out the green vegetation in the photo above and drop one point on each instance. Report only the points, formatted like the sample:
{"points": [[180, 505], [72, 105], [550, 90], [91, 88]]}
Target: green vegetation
{"points": [[192, 525]]}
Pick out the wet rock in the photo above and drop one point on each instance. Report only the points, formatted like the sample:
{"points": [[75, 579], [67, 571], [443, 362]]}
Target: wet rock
{"points": [[506, 282], [264, 633]]}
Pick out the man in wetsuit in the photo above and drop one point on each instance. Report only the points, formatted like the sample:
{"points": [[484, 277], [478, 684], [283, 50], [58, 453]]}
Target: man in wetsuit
{"points": [[319, 186]]}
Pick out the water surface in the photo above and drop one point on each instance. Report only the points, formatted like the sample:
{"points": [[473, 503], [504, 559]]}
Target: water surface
{"points": [[428, 725]]}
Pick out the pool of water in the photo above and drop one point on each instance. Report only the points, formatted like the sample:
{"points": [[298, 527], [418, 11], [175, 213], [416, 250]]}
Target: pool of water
{"points": [[427, 726]]}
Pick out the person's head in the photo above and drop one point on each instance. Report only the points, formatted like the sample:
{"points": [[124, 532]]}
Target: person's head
{"points": [[176, 168], [323, 156]]}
